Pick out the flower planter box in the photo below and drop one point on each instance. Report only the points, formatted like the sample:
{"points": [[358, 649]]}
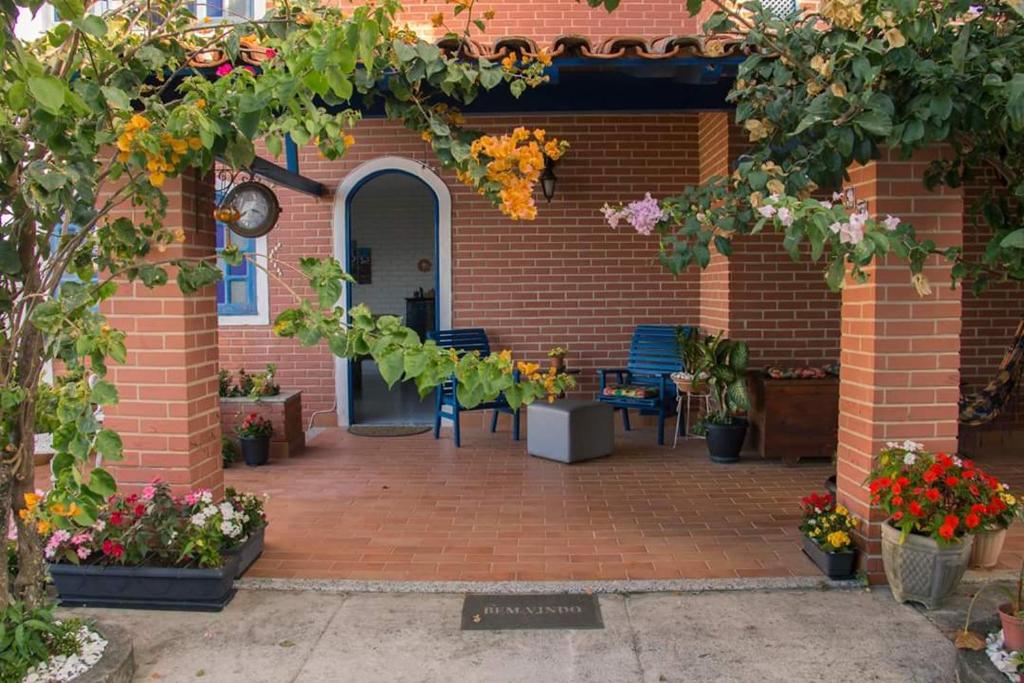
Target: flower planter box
{"points": [[248, 552], [919, 570], [284, 412], [167, 588], [836, 566]]}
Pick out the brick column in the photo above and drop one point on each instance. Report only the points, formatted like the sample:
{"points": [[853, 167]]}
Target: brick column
{"points": [[169, 413], [714, 137], [900, 352]]}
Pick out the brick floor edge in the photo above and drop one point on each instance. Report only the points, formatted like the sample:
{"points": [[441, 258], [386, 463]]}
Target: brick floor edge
{"points": [[528, 587]]}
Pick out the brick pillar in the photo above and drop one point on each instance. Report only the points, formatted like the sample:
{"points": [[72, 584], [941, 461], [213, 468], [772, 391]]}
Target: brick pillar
{"points": [[169, 413], [714, 137], [900, 352]]}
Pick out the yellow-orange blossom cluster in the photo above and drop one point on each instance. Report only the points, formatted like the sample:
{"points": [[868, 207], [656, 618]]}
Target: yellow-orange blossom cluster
{"points": [[515, 162], [158, 165]]}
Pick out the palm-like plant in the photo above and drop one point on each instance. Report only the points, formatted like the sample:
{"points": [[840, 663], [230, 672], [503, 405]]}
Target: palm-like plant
{"points": [[724, 363]]}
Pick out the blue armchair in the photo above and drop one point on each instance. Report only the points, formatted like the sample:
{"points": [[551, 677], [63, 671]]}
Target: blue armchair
{"points": [[448, 408], [645, 383]]}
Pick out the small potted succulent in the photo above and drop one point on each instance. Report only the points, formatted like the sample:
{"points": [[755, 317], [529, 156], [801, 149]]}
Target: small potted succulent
{"points": [[557, 355], [827, 529], [723, 362], [254, 438]]}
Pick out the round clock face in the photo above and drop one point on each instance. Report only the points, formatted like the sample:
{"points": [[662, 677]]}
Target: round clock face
{"points": [[257, 209]]}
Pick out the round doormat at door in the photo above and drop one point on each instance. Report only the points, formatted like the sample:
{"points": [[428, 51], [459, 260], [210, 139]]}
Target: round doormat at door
{"points": [[388, 430]]}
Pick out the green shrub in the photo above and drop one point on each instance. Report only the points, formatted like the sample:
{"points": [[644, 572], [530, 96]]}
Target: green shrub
{"points": [[29, 636]]}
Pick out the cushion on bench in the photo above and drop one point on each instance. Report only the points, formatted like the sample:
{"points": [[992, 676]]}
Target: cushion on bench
{"points": [[630, 391]]}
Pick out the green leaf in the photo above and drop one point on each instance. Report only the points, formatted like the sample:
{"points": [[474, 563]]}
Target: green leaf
{"points": [[109, 445], [47, 316], [10, 264], [875, 122], [1015, 240], [836, 274], [49, 92], [101, 483], [92, 25], [391, 366], [693, 7], [103, 393]]}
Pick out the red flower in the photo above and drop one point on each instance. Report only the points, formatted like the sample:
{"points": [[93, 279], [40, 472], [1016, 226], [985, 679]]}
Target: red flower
{"points": [[879, 484], [112, 549], [897, 500], [931, 475], [952, 520], [972, 520], [915, 508], [897, 490], [947, 531], [932, 494], [978, 509], [974, 490], [897, 516], [969, 474], [140, 510], [116, 518], [952, 481], [944, 460]]}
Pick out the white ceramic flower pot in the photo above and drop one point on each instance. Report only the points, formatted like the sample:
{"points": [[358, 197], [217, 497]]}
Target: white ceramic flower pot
{"points": [[918, 570]]}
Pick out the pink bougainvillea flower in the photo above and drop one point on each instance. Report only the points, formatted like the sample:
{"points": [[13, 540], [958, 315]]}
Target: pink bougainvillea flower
{"points": [[270, 52], [891, 222], [225, 69]]}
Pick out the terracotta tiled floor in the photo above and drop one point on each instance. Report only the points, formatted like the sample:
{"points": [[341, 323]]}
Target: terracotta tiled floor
{"points": [[414, 508]]}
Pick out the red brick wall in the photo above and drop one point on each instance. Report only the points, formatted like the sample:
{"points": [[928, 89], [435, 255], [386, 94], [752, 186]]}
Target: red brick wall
{"points": [[564, 279]]}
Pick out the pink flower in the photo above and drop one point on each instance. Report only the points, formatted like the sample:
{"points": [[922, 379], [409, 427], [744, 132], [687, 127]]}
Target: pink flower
{"points": [[891, 222], [612, 216], [270, 52], [192, 497], [766, 211], [83, 552], [148, 492], [643, 215], [224, 69], [786, 217]]}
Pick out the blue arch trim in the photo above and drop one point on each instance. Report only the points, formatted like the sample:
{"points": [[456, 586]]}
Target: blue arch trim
{"points": [[347, 246]]}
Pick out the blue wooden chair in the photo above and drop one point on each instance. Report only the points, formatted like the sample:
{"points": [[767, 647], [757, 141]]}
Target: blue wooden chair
{"points": [[645, 383], [467, 340]]}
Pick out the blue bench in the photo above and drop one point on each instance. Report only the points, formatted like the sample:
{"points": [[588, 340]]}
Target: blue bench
{"points": [[466, 340], [645, 384]]}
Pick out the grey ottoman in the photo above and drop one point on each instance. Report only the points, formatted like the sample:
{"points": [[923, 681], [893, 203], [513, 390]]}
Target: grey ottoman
{"points": [[570, 430]]}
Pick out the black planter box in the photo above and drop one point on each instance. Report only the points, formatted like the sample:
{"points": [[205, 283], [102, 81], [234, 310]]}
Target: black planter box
{"points": [[169, 588], [248, 552], [834, 565]]}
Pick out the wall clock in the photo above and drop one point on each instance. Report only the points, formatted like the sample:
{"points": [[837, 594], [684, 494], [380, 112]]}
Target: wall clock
{"points": [[255, 209]]}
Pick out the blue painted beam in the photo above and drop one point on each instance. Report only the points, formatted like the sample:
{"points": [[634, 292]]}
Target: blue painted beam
{"points": [[291, 154]]}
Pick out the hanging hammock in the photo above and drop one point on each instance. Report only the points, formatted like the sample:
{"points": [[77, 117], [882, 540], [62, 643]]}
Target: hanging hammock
{"points": [[984, 406]]}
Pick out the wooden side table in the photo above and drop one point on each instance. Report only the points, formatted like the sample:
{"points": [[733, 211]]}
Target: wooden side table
{"points": [[791, 419]]}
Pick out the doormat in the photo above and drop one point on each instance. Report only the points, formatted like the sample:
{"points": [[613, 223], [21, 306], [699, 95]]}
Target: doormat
{"points": [[508, 612], [388, 430]]}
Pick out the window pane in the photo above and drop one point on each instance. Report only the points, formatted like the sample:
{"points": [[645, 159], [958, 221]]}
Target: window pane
{"points": [[239, 8], [239, 292], [214, 8]]}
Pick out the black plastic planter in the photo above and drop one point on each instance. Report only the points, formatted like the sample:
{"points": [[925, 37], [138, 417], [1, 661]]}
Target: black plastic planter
{"points": [[726, 441], [168, 588], [256, 451], [835, 566], [248, 552]]}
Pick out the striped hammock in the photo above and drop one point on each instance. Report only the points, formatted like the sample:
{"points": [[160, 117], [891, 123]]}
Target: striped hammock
{"points": [[984, 406]]}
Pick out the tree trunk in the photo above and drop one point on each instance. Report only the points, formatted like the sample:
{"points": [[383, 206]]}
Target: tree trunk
{"points": [[5, 512], [28, 584]]}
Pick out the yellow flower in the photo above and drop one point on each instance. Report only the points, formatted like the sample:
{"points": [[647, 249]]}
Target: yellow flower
{"points": [[841, 510], [195, 143], [73, 510], [509, 62], [437, 19], [200, 103], [838, 89], [838, 539], [179, 236], [895, 38], [349, 140], [544, 58], [527, 368], [58, 509], [426, 136], [821, 65], [43, 527], [489, 14], [776, 186], [31, 500], [157, 179], [505, 355]]}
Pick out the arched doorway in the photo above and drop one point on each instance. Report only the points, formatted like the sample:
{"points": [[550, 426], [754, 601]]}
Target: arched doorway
{"points": [[393, 234]]}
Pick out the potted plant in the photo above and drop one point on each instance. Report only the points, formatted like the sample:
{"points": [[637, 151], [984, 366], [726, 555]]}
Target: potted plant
{"points": [[228, 451], [1011, 614], [723, 362], [988, 541], [149, 550], [691, 354], [254, 438], [934, 503], [557, 355], [827, 529]]}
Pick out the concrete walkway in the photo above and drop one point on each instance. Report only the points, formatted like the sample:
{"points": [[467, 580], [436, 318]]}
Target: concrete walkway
{"points": [[743, 636]]}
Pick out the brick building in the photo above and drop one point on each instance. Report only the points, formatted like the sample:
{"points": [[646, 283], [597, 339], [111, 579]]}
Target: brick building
{"points": [[566, 279]]}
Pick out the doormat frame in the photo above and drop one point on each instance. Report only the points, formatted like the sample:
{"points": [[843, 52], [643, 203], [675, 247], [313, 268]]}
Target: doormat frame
{"points": [[532, 612], [389, 430]]}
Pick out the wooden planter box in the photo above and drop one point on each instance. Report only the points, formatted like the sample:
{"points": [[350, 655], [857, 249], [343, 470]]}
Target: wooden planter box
{"points": [[284, 411], [792, 419], [170, 588]]}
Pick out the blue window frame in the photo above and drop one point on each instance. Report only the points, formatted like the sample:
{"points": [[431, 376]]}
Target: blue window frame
{"points": [[236, 291], [221, 8]]}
